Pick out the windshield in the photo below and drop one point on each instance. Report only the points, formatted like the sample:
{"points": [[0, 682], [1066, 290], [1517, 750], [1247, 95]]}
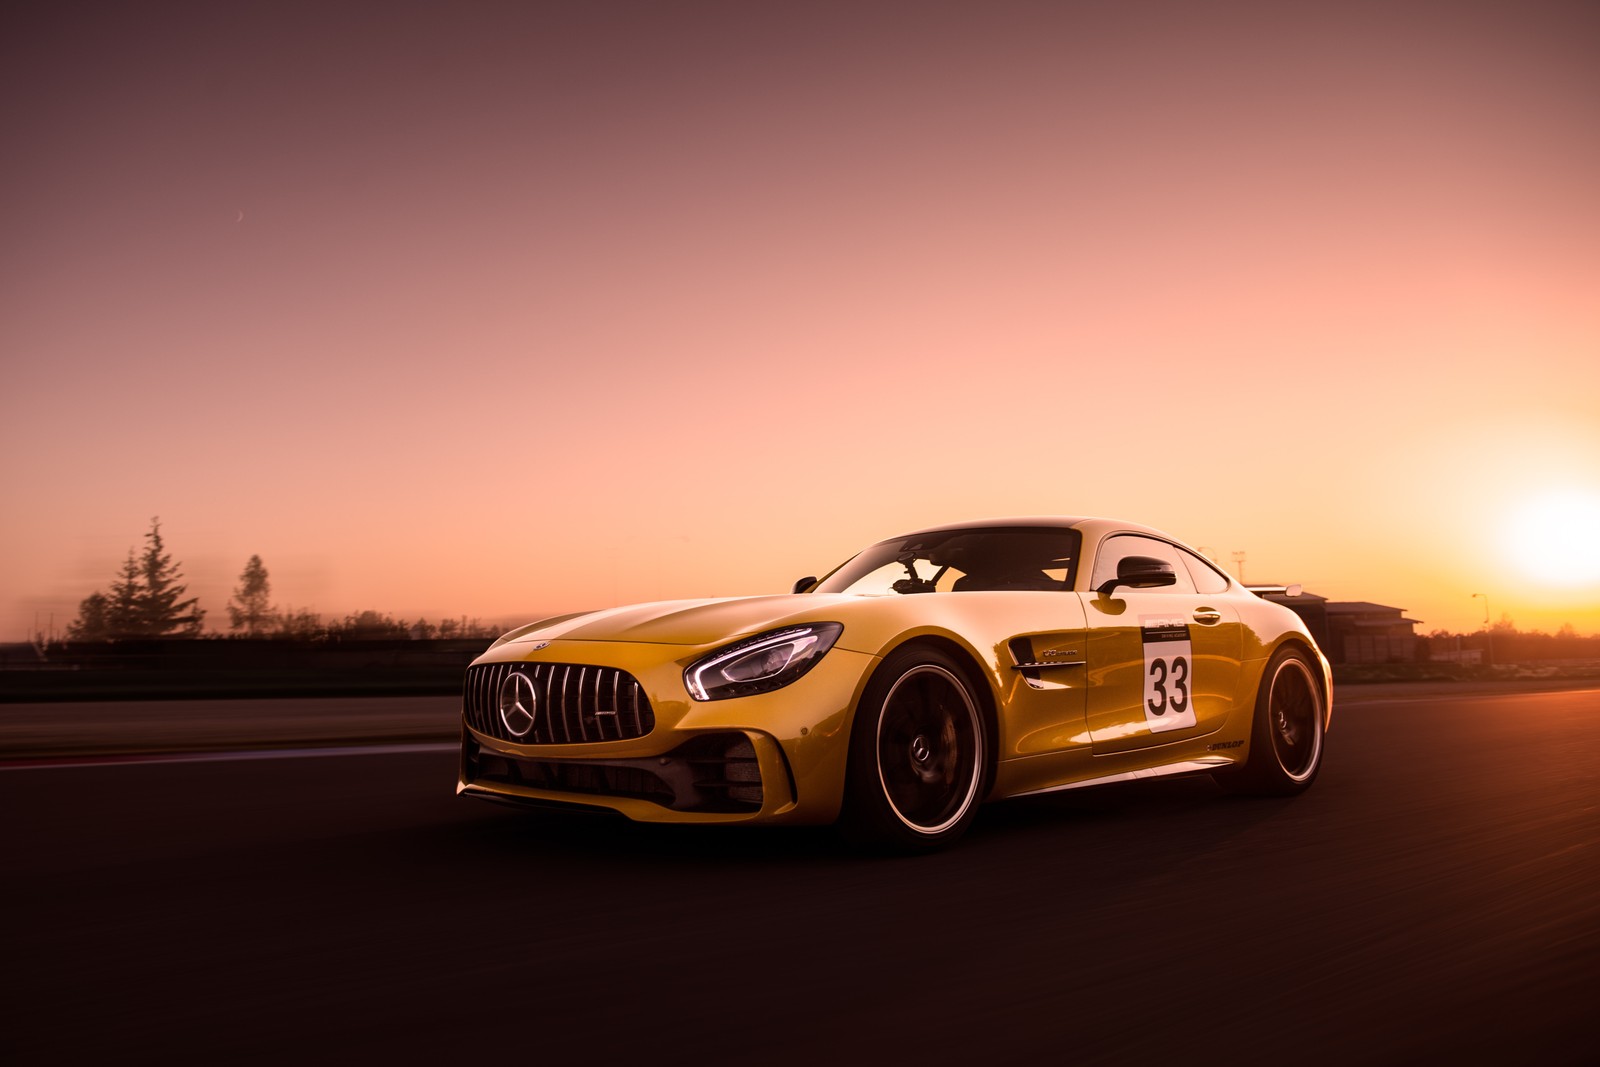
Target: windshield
{"points": [[958, 561]]}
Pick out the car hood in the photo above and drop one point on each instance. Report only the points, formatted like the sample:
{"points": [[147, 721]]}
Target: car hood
{"points": [[684, 622]]}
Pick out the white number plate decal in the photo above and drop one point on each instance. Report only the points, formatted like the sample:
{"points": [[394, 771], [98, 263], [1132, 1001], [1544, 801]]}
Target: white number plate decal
{"points": [[1168, 673]]}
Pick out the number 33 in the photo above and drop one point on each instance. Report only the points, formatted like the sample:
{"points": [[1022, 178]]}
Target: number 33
{"points": [[1178, 701]]}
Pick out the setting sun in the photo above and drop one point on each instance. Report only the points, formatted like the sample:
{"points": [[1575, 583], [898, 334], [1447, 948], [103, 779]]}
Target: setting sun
{"points": [[1555, 538]]}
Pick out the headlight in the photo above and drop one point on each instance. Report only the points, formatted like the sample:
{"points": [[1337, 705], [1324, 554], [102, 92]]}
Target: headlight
{"points": [[762, 663]]}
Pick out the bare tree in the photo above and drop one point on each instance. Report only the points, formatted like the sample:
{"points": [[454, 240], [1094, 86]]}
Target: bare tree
{"points": [[251, 609], [93, 621]]}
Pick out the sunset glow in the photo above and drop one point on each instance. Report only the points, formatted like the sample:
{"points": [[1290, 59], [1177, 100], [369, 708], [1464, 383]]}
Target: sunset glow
{"points": [[1556, 538], [503, 310]]}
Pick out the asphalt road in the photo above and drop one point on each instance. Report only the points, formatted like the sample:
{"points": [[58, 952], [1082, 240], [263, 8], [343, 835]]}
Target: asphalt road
{"points": [[1435, 896], [64, 730]]}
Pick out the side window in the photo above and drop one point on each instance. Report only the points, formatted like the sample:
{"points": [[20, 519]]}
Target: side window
{"points": [[1206, 578], [1121, 546]]}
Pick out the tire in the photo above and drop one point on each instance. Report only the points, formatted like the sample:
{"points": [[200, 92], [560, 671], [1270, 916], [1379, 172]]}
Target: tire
{"points": [[1286, 738], [918, 755]]}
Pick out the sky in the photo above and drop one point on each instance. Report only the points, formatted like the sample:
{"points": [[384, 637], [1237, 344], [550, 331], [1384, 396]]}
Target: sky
{"points": [[510, 309]]}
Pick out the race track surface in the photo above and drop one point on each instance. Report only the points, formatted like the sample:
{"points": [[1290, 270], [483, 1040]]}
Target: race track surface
{"points": [[1435, 896]]}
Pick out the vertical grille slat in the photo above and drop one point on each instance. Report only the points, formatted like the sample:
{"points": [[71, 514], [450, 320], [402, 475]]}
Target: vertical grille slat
{"points": [[558, 704], [591, 722], [574, 708], [491, 702], [485, 701], [491, 698], [475, 700], [575, 718], [576, 702], [535, 679], [616, 705], [566, 723], [547, 732], [583, 725], [493, 708]]}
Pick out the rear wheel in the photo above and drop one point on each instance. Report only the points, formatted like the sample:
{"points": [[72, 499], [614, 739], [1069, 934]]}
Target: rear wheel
{"points": [[917, 755], [1286, 736]]}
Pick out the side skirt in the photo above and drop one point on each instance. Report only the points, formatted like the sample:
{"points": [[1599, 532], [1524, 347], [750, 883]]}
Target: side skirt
{"points": [[1194, 766]]}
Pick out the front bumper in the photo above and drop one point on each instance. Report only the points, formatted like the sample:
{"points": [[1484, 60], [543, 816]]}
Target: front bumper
{"points": [[775, 757]]}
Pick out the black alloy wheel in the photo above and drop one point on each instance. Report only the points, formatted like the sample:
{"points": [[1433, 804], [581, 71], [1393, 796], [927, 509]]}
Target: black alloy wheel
{"points": [[1286, 737], [918, 754]]}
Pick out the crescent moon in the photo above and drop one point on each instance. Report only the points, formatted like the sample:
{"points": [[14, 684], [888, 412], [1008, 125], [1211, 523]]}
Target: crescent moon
{"points": [[241, 216]]}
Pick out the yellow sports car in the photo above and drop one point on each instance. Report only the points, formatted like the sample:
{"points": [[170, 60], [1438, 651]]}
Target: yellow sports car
{"points": [[928, 674]]}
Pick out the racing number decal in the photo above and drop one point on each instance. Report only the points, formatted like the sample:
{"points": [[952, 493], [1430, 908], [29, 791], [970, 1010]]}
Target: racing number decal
{"points": [[1168, 673], [1178, 702]]}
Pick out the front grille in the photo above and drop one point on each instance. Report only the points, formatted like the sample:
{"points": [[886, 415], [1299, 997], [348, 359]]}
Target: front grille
{"points": [[575, 704]]}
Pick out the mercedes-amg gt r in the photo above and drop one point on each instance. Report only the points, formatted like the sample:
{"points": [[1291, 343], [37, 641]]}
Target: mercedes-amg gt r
{"points": [[928, 674]]}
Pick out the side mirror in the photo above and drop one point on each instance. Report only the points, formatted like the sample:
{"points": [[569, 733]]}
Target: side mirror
{"points": [[804, 585], [1140, 572]]}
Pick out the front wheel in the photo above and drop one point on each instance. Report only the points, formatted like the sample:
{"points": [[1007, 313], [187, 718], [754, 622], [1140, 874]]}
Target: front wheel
{"points": [[917, 755], [1286, 736]]}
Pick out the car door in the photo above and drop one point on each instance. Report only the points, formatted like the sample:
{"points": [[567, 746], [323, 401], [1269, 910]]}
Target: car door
{"points": [[1163, 663]]}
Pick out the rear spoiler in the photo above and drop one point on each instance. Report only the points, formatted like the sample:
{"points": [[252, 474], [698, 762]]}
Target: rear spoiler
{"points": [[1276, 590]]}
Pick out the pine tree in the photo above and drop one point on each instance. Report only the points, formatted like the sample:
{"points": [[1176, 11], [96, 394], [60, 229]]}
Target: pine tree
{"points": [[113, 616], [161, 611], [250, 609], [125, 605], [146, 600]]}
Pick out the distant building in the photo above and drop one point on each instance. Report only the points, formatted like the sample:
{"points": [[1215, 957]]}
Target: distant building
{"points": [[1355, 631], [1371, 633]]}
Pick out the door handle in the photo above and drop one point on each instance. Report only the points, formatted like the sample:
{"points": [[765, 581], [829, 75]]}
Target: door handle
{"points": [[1206, 616]]}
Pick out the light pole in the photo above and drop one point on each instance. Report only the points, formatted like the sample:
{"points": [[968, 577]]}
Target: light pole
{"points": [[1238, 559], [1488, 634]]}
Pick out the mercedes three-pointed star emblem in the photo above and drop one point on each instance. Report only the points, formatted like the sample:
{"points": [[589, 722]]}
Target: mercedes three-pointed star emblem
{"points": [[519, 706]]}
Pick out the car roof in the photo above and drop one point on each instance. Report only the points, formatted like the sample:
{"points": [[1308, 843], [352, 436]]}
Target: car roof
{"points": [[1086, 524]]}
